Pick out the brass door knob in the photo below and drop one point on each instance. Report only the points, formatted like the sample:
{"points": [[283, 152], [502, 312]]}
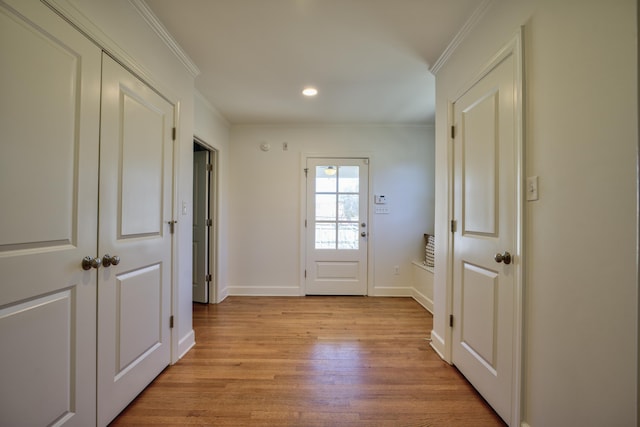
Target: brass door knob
{"points": [[89, 262], [504, 257], [108, 260]]}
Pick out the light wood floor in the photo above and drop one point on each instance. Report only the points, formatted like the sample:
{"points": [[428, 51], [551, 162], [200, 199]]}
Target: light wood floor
{"points": [[310, 361]]}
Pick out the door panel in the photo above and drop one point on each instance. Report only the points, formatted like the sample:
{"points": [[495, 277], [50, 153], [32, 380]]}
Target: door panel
{"points": [[134, 296], [480, 174], [141, 183], [337, 194], [485, 194], [479, 296], [138, 291], [48, 185]]}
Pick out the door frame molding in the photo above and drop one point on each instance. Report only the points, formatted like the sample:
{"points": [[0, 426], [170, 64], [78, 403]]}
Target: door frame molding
{"points": [[303, 213], [513, 47], [213, 213]]}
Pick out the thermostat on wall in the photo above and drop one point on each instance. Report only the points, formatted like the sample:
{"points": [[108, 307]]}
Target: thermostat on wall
{"points": [[380, 199]]}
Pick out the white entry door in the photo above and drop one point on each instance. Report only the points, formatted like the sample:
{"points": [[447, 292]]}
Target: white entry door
{"points": [[485, 247], [336, 226], [49, 116], [134, 296]]}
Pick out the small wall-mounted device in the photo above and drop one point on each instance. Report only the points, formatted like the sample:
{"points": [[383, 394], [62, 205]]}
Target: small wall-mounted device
{"points": [[532, 188], [380, 199], [265, 146]]}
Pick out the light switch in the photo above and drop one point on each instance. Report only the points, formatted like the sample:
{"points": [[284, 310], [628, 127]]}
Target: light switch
{"points": [[532, 188], [184, 207]]}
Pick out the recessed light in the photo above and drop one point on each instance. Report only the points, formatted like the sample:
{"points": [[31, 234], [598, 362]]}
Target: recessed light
{"points": [[310, 91]]}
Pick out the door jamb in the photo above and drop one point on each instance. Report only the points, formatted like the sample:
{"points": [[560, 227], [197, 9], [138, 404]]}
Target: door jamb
{"points": [[514, 47], [213, 253]]}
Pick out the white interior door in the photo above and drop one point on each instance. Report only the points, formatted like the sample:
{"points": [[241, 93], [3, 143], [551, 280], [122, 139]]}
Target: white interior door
{"points": [[337, 226], [200, 227], [134, 296], [49, 103], [485, 206]]}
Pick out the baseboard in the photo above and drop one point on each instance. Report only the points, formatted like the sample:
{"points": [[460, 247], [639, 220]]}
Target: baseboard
{"points": [[391, 291], [185, 344], [406, 291], [263, 291], [423, 300], [222, 295], [437, 343]]}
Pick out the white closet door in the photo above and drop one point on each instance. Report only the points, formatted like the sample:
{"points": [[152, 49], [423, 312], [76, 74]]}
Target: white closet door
{"points": [[134, 296], [49, 116], [486, 205]]}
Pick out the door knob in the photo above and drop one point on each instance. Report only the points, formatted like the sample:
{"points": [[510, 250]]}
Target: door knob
{"points": [[90, 262], [108, 260], [504, 257], [363, 234], [364, 224]]}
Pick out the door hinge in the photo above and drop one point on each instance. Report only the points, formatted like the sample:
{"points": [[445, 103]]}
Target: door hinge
{"points": [[171, 322], [207, 278], [305, 274], [209, 167], [173, 133], [172, 226], [451, 320], [454, 225], [305, 223], [453, 132], [209, 222], [306, 172]]}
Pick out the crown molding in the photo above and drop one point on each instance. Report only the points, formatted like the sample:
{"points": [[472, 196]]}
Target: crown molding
{"points": [[154, 23], [461, 35]]}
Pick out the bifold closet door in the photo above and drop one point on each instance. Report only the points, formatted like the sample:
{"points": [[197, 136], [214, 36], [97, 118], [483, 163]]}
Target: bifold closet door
{"points": [[50, 112], [134, 293]]}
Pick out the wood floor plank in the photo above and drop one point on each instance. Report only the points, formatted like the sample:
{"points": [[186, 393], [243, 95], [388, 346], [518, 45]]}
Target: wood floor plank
{"points": [[310, 361]]}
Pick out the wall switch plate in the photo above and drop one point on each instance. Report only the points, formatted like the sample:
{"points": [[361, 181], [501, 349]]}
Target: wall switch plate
{"points": [[532, 188], [382, 210]]}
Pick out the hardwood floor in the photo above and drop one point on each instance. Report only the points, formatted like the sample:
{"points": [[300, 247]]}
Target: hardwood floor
{"points": [[310, 361]]}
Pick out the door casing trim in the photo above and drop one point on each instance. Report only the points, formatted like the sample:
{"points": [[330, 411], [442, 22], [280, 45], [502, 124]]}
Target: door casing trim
{"points": [[213, 249]]}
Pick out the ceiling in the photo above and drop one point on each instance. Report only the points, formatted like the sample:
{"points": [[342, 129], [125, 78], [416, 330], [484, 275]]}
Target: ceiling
{"points": [[369, 59]]}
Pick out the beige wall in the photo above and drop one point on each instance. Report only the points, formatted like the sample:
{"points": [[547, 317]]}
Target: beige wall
{"points": [[580, 288], [266, 191]]}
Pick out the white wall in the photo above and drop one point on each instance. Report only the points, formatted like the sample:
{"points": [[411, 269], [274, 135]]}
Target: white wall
{"points": [[122, 31], [581, 304], [266, 189], [211, 128]]}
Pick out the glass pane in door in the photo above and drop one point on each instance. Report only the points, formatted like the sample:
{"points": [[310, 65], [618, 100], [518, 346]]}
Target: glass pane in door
{"points": [[349, 179], [348, 207], [325, 235], [337, 208], [348, 236]]}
